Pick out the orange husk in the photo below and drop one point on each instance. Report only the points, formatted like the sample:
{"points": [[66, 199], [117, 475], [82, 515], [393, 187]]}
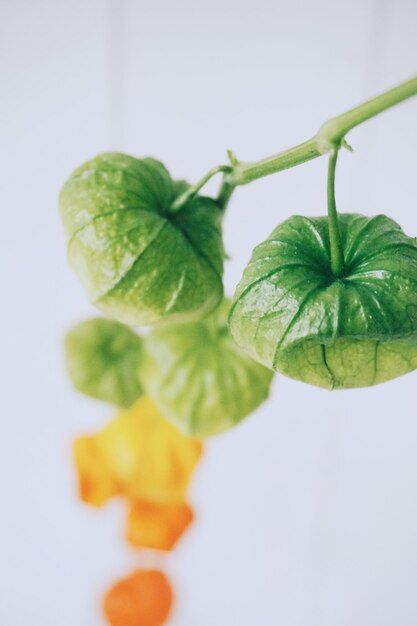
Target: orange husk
{"points": [[157, 526], [96, 481], [139, 455], [142, 599]]}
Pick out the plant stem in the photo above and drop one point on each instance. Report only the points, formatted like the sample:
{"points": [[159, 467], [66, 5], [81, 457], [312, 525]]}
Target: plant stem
{"points": [[329, 136], [225, 192], [336, 128], [194, 189], [337, 261], [244, 173]]}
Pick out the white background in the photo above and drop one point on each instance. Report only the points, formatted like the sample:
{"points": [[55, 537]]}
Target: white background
{"points": [[307, 512]]}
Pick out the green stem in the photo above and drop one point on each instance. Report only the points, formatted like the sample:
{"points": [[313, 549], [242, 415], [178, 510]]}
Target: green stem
{"points": [[194, 189], [225, 192], [244, 173], [329, 136], [336, 128], [337, 261]]}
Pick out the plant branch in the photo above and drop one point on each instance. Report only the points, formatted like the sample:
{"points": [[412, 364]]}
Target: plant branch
{"points": [[329, 136]]}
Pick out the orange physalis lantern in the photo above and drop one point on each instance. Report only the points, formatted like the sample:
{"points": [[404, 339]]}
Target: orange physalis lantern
{"points": [[96, 482], [138, 454], [142, 599], [157, 526]]}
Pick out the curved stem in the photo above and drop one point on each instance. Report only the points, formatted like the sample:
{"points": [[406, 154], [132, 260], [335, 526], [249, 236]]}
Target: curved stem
{"points": [[337, 261], [194, 189]]}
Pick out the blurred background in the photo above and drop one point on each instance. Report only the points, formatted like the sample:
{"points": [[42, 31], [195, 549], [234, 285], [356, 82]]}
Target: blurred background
{"points": [[306, 512]]}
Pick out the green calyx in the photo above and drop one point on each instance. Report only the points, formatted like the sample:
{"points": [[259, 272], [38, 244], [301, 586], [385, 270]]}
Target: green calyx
{"points": [[291, 313], [196, 375], [199, 378], [141, 261], [102, 359]]}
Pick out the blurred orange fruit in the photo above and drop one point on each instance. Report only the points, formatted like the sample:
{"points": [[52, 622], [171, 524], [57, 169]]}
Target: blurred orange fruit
{"points": [[142, 599], [96, 481], [138, 454], [157, 526]]}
